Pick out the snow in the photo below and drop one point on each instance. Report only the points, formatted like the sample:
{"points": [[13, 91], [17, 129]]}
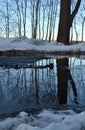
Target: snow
{"points": [[45, 120], [23, 43]]}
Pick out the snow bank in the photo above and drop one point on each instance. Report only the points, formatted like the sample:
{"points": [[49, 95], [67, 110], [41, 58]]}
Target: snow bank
{"points": [[46, 120], [23, 43], [33, 41]]}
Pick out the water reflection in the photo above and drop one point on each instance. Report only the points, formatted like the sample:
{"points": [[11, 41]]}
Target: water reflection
{"points": [[44, 83], [64, 75]]}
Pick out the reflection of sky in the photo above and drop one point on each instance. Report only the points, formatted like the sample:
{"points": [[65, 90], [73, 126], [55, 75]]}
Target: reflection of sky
{"points": [[74, 62], [77, 69], [19, 87]]}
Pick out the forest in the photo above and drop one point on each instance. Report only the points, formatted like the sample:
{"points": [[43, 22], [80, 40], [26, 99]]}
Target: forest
{"points": [[40, 19]]}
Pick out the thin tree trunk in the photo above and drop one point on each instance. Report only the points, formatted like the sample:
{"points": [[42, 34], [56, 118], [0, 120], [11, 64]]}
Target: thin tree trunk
{"points": [[39, 25], [36, 18], [7, 20], [43, 24], [83, 28], [46, 38], [24, 12], [32, 17]]}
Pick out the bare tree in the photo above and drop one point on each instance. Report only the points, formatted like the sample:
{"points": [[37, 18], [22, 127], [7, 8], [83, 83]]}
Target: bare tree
{"points": [[41, 16], [48, 21], [66, 19], [6, 17], [55, 8], [51, 20], [39, 19], [43, 20], [76, 32], [24, 14], [18, 16], [7, 20], [36, 18], [32, 16], [83, 21]]}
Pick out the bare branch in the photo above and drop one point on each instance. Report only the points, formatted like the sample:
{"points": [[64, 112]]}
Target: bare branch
{"points": [[75, 10]]}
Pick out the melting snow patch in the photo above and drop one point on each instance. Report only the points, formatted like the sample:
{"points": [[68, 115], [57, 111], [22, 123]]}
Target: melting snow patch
{"points": [[46, 120], [36, 42], [19, 39]]}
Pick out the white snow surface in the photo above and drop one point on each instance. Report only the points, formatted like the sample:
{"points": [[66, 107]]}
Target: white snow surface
{"points": [[46, 120], [23, 43]]}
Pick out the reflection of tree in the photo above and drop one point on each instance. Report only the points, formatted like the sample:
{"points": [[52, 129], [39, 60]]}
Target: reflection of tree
{"points": [[1, 91], [73, 86], [63, 74], [37, 86]]}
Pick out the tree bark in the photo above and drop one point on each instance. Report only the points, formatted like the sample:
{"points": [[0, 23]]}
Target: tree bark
{"points": [[36, 18], [66, 19]]}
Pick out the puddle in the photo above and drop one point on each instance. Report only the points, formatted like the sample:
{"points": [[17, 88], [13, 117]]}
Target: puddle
{"points": [[27, 82]]}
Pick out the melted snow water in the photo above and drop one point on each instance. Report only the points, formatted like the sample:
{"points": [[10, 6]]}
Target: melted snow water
{"points": [[29, 82]]}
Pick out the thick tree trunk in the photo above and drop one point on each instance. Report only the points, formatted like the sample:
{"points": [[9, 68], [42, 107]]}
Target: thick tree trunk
{"points": [[66, 19], [64, 23]]}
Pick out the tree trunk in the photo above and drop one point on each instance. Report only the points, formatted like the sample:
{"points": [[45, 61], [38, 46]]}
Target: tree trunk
{"points": [[32, 17], [7, 20], [83, 29], [64, 23], [36, 18], [66, 19], [62, 74], [24, 14]]}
